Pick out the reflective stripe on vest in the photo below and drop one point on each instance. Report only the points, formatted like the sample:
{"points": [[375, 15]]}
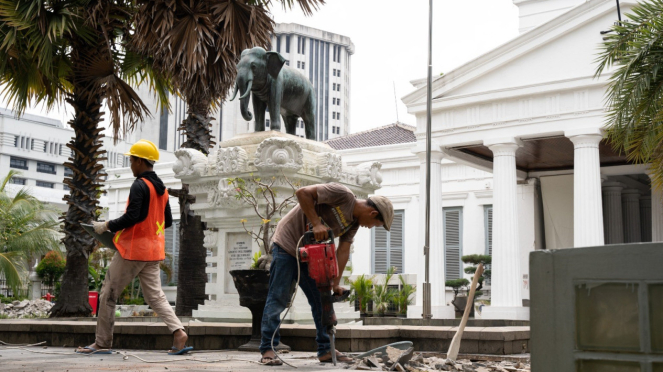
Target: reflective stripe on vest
{"points": [[146, 240]]}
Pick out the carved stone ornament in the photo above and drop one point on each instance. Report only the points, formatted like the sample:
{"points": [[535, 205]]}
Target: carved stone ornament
{"points": [[231, 160], [210, 238], [331, 166], [279, 154], [369, 174], [223, 195], [190, 163]]}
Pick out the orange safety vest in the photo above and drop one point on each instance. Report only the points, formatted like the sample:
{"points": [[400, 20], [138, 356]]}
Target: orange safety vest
{"points": [[146, 240]]}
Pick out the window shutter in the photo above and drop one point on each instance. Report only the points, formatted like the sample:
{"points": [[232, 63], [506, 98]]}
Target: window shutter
{"points": [[396, 243], [489, 229], [452, 242], [380, 250]]}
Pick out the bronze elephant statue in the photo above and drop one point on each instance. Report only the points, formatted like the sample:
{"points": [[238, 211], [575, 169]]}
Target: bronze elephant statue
{"points": [[284, 90]]}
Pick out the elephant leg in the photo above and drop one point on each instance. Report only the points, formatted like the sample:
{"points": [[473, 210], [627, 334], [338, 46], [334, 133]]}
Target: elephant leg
{"points": [[259, 108], [275, 96], [309, 117], [290, 123]]}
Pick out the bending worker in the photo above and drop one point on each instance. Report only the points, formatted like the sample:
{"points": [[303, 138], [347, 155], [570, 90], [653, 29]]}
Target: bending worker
{"points": [[140, 242], [321, 207]]}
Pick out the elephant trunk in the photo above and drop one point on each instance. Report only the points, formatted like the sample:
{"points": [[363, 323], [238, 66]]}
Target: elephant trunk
{"points": [[245, 91]]}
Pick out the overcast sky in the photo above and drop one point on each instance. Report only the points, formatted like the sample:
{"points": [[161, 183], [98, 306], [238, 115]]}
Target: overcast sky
{"points": [[390, 39], [391, 45]]}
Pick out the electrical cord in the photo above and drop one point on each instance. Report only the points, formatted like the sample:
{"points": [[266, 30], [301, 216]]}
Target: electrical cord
{"points": [[292, 300]]}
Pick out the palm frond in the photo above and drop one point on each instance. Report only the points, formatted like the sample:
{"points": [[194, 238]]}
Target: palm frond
{"points": [[633, 51]]}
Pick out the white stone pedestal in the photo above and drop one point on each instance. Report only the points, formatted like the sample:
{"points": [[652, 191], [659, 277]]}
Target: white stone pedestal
{"points": [[268, 155], [511, 313]]}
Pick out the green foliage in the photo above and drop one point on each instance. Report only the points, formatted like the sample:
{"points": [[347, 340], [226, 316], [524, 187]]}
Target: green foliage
{"points": [[256, 265], [135, 301], [382, 295], [361, 288], [51, 267], [403, 297], [475, 260], [634, 99], [457, 285], [28, 229], [96, 278]]}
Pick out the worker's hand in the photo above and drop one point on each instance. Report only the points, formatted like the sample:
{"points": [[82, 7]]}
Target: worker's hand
{"points": [[338, 290], [100, 227], [320, 232]]}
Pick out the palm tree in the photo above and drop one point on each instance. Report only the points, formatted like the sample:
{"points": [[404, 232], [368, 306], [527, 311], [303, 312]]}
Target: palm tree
{"points": [[55, 51], [28, 229], [635, 96], [197, 43]]}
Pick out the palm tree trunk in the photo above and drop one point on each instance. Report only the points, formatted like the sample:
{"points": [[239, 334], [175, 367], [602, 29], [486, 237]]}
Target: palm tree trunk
{"points": [[83, 202], [191, 277]]}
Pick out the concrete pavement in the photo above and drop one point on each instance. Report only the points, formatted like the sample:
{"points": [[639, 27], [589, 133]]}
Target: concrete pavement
{"points": [[36, 358]]}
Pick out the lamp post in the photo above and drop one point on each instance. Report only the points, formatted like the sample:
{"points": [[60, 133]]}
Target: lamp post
{"points": [[427, 292]]}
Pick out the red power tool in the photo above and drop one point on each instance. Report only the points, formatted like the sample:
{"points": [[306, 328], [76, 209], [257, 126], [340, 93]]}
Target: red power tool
{"points": [[323, 268]]}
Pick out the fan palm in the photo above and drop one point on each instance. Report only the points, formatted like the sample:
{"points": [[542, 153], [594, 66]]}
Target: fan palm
{"points": [[197, 44], [28, 229], [633, 49], [54, 51]]}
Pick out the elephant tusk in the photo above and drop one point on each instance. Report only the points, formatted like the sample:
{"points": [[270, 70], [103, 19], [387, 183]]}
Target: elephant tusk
{"points": [[235, 92], [248, 90]]}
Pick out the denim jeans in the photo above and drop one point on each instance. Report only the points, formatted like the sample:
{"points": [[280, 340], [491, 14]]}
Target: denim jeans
{"points": [[282, 275]]}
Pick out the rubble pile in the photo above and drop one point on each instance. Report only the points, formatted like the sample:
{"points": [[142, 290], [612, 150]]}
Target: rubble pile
{"points": [[26, 309], [407, 361]]}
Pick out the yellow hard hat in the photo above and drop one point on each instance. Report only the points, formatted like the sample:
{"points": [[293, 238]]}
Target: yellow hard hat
{"points": [[144, 149]]}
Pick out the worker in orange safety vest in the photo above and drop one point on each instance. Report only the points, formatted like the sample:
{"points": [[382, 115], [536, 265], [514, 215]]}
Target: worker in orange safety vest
{"points": [[140, 242]]}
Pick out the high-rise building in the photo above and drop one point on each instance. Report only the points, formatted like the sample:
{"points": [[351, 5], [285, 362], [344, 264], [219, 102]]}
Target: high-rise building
{"points": [[324, 58]]}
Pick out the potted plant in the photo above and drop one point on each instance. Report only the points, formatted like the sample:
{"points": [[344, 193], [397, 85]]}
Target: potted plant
{"points": [[459, 286], [403, 297], [474, 260], [383, 295], [253, 284], [361, 290]]}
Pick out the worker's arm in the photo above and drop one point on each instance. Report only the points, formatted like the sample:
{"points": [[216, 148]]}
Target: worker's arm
{"points": [[342, 255], [307, 197], [137, 209]]}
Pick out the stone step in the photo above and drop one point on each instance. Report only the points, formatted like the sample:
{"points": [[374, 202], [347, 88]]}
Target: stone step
{"points": [[215, 336]]}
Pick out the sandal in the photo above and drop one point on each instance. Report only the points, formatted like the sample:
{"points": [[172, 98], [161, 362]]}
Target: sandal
{"points": [[271, 361], [340, 357]]}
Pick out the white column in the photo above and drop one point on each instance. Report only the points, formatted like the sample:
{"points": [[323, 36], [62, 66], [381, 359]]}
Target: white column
{"points": [[613, 225], [631, 212], [506, 281], [587, 208], [645, 218], [439, 307]]}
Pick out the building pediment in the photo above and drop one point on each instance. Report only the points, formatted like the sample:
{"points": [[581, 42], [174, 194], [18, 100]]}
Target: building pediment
{"points": [[561, 50]]}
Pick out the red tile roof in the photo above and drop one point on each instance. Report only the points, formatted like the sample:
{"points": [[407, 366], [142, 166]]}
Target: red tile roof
{"points": [[386, 135]]}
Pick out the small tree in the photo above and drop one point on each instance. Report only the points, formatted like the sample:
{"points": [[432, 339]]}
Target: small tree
{"points": [[475, 260], [252, 192], [51, 267]]}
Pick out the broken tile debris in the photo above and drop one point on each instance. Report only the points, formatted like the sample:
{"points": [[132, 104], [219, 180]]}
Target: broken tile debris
{"points": [[407, 361], [26, 309]]}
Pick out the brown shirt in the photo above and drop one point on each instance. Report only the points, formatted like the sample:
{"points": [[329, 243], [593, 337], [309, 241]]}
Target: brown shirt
{"points": [[334, 206]]}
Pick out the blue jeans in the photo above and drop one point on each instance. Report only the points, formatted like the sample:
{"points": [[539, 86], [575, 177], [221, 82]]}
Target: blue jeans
{"points": [[282, 275]]}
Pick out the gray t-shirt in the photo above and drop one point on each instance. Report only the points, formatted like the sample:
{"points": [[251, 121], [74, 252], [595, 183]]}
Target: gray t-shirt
{"points": [[334, 206]]}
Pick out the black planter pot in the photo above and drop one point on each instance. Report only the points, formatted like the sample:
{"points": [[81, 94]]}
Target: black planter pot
{"points": [[459, 303], [253, 286]]}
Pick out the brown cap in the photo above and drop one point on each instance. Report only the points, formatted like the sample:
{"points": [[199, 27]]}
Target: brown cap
{"points": [[385, 208]]}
